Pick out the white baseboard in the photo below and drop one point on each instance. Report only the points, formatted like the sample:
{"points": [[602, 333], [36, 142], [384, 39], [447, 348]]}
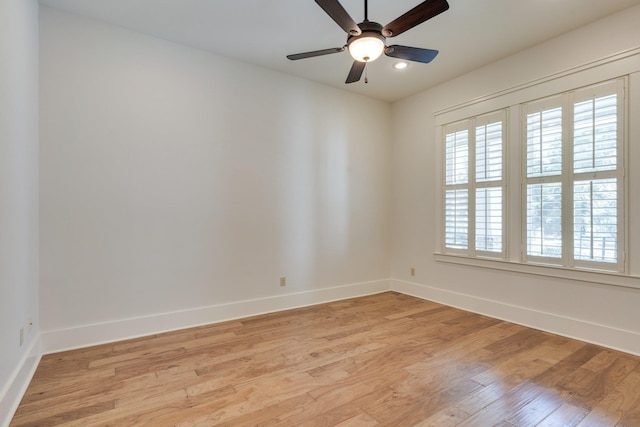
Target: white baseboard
{"points": [[87, 335], [607, 336], [11, 396]]}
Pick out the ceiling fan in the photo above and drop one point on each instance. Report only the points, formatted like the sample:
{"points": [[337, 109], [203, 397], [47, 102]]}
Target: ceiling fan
{"points": [[366, 40]]}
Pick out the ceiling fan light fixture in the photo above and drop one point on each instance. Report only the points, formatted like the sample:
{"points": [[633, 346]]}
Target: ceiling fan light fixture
{"points": [[367, 47]]}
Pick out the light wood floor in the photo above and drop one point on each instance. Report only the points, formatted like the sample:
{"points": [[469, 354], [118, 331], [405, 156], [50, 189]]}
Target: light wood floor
{"points": [[382, 360]]}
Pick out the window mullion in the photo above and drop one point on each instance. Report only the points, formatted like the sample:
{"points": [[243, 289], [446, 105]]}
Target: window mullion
{"points": [[621, 139], [568, 180], [472, 188]]}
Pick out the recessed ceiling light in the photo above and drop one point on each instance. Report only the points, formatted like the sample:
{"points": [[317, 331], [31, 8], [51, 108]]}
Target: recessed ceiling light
{"points": [[400, 65]]}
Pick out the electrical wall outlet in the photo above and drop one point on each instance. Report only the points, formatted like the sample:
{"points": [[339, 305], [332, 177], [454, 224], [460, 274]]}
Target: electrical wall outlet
{"points": [[21, 336], [283, 281], [413, 271]]}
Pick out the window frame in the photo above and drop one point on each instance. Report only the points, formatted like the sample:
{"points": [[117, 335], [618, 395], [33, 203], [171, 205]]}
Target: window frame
{"points": [[473, 184], [555, 101], [568, 177], [514, 200]]}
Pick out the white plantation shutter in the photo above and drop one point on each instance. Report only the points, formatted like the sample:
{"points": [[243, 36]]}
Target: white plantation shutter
{"points": [[544, 220], [489, 219], [473, 175], [595, 216], [544, 161], [595, 170], [544, 142], [564, 202], [595, 134], [489, 205], [572, 177], [457, 219], [457, 187], [457, 152], [489, 152]]}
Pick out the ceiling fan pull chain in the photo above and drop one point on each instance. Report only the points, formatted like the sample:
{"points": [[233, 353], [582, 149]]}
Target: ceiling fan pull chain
{"points": [[366, 76]]}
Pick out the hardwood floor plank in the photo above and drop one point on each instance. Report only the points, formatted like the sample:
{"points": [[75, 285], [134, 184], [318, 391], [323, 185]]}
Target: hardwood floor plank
{"points": [[381, 360], [411, 406], [327, 413], [362, 420], [588, 388], [479, 400], [567, 415], [614, 405], [567, 366], [536, 410], [270, 415], [504, 406]]}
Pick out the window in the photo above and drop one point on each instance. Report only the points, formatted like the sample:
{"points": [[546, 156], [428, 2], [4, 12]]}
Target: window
{"points": [[474, 186], [570, 184], [544, 135], [573, 147], [457, 191]]}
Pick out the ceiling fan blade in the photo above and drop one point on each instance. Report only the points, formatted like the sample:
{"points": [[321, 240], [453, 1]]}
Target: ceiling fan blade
{"points": [[411, 53], [356, 71], [334, 9], [315, 53], [422, 12]]}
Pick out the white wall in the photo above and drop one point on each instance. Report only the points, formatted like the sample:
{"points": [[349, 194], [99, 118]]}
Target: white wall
{"points": [[172, 179], [18, 193], [590, 311]]}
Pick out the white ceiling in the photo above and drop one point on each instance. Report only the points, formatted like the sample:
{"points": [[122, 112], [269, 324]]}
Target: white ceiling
{"points": [[472, 33]]}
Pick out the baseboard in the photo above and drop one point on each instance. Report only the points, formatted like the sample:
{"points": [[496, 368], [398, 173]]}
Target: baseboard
{"points": [[84, 336], [19, 381], [607, 336]]}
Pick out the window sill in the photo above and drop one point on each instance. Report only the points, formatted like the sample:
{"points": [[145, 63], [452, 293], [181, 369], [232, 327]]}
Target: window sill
{"points": [[582, 275]]}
